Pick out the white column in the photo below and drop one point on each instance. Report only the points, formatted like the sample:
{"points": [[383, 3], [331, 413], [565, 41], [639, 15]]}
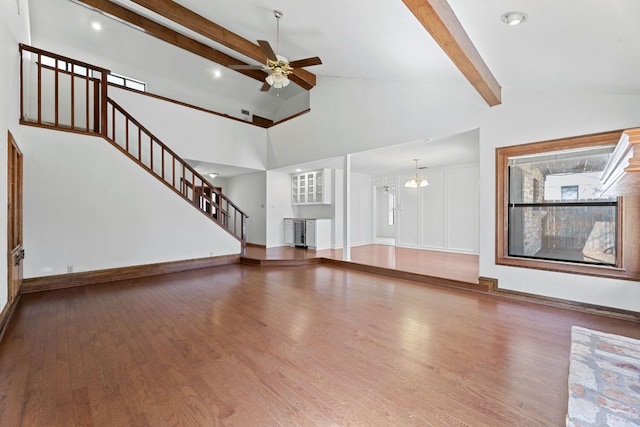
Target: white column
{"points": [[346, 211]]}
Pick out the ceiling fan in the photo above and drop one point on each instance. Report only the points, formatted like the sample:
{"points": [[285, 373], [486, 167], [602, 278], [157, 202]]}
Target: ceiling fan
{"points": [[277, 65]]}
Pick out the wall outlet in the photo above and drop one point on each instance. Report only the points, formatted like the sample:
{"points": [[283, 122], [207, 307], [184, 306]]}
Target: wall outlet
{"points": [[69, 268]]}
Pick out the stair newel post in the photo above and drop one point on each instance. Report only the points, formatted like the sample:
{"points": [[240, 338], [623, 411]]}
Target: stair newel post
{"points": [[243, 235], [103, 103]]}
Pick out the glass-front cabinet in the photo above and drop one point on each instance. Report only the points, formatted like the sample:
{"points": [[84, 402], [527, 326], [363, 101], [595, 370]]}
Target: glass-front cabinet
{"points": [[309, 188]]}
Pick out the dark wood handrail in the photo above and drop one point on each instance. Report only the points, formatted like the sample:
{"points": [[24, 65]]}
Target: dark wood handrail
{"points": [[62, 58]]}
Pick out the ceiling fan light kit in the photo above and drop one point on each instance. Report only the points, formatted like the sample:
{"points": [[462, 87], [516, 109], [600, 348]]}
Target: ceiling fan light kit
{"points": [[278, 67]]}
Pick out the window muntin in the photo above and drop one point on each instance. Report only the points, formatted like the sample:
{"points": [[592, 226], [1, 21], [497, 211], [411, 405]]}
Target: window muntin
{"points": [[555, 208]]}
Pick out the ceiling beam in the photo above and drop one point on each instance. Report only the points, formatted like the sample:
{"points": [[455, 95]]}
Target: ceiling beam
{"points": [[438, 19], [201, 25], [170, 36]]}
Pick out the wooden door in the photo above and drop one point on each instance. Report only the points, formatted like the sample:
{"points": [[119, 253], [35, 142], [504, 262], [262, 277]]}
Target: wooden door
{"points": [[15, 253]]}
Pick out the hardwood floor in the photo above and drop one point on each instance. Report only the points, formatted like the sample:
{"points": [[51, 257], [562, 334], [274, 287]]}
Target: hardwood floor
{"points": [[315, 345], [447, 265]]}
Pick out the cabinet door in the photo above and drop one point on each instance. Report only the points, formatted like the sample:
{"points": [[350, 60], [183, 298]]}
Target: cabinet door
{"points": [[320, 187], [295, 190], [310, 229], [302, 189], [288, 232]]}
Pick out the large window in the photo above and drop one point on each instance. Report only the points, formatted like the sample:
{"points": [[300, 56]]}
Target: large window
{"points": [[551, 212], [556, 209]]}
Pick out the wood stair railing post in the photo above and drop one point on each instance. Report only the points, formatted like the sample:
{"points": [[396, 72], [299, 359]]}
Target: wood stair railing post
{"points": [[103, 103]]}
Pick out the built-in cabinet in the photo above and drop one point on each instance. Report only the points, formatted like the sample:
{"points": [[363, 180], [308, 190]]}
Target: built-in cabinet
{"points": [[309, 188], [308, 232]]}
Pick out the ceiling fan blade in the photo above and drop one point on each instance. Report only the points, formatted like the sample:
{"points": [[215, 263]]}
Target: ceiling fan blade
{"points": [[267, 50], [245, 67], [307, 62], [265, 87]]}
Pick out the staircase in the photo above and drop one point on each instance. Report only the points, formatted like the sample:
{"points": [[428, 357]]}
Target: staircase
{"points": [[65, 94]]}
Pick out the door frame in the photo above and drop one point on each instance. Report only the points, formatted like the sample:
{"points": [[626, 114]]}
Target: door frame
{"points": [[15, 251]]}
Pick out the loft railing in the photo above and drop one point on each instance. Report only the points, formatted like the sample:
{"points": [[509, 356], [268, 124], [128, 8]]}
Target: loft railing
{"points": [[62, 93]]}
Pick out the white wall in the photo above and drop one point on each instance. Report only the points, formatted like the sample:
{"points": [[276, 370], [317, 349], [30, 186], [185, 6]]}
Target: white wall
{"points": [[361, 209], [352, 115], [197, 135], [249, 193], [443, 215], [89, 206], [14, 29], [538, 116], [278, 206]]}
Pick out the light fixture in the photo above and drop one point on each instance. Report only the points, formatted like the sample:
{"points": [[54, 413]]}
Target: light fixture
{"points": [[96, 26], [217, 73], [280, 69], [212, 174], [514, 18], [416, 180]]}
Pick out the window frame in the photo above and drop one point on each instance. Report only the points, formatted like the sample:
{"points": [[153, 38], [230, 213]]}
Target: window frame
{"points": [[126, 80], [502, 256]]}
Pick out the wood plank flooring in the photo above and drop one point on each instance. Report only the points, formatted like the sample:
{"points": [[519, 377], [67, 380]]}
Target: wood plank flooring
{"points": [[304, 346], [447, 265]]}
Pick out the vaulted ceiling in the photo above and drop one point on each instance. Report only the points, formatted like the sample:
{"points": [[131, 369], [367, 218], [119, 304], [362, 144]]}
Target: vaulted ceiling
{"points": [[569, 45], [572, 45]]}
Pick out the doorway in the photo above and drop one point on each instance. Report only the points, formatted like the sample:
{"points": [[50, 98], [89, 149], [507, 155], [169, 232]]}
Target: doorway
{"points": [[385, 215], [15, 251]]}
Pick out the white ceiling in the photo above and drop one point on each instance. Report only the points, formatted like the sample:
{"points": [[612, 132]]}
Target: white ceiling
{"points": [[569, 45]]}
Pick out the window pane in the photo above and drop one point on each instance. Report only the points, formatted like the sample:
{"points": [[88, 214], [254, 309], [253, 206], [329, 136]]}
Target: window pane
{"points": [[136, 85], [567, 176], [391, 220], [81, 71], [584, 234], [47, 60], [115, 79]]}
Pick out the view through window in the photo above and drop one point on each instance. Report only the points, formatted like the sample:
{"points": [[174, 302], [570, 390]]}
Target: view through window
{"points": [[555, 208]]}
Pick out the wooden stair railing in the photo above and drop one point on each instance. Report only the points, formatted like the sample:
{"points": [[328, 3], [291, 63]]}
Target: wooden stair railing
{"points": [[72, 95], [139, 144]]}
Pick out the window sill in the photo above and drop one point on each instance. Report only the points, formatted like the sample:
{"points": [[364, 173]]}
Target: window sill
{"points": [[565, 267]]}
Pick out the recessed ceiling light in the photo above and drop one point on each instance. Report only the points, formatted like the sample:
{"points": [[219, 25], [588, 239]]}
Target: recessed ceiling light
{"points": [[217, 73], [96, 26], [212, 174], [298, 170], [514, 18]]}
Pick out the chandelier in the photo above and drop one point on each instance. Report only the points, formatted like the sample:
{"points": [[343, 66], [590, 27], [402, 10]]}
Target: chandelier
{"points": [[416, 180]]}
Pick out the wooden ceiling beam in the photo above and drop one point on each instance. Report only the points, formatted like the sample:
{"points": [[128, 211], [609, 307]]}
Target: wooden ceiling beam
{"points": [[170, 36], [201, 25], [440, 21]]}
